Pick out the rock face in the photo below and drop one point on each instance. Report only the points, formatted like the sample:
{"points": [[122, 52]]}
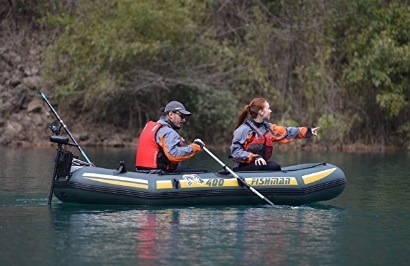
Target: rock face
{"points": [[24, 116], [23, 120]]}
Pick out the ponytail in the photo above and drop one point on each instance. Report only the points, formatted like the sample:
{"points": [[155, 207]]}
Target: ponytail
{"points": [[250, 110], [242, 116]]}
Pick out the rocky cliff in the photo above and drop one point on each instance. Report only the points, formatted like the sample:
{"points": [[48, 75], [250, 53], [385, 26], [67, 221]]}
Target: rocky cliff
{"points": [[23, 120], [24, 116]]}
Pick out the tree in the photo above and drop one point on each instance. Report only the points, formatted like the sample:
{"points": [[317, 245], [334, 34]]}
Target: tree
{"points": [[376, 69]]}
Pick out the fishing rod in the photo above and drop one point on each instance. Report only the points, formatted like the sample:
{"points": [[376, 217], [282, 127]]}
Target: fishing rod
{"points": [[54, 129]]}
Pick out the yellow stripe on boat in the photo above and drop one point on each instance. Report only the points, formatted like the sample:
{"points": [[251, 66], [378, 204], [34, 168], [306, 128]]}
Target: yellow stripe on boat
{"points": [[211, 182], [115, 177], [117, 180], [272, 181], [229, 182], [190, 184], [119, 183], [232, 182], [164, 184], [310, 178]]}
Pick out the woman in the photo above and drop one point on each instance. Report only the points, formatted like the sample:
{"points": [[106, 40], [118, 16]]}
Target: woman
{"points": [[253, 138]]}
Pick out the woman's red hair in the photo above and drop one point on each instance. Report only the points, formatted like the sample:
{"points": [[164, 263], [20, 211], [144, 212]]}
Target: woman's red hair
{"points": [[250, 109]]}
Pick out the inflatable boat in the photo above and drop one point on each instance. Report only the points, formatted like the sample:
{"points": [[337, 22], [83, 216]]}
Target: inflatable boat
{"points": [[75, 181]]}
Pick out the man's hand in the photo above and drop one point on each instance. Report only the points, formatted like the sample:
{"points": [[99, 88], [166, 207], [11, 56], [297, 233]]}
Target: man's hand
{"points": [[199, 142]]}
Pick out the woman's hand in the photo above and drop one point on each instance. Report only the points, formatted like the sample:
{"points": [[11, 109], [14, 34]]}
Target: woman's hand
{"points": [[259, 160], [314, 131]]}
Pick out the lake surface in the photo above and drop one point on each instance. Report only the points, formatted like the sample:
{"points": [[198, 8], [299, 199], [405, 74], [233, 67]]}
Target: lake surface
{"points": [[368, 224]]}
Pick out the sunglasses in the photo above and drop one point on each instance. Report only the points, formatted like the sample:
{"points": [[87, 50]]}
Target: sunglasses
{"points": [[181, 115]]}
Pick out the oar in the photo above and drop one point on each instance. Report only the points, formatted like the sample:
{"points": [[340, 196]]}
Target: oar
{"points": [[240, 179], [65, 127]]}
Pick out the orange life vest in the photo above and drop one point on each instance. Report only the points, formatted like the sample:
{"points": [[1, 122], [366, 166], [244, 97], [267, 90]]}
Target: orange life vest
{"points": [[148, 149], [258, 143]]}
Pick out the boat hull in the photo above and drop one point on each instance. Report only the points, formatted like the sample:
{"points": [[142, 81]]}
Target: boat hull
{"points": [[294, 185]]}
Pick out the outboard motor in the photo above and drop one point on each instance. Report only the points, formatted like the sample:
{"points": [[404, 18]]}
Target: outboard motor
{"points": [[62, 162], [64, 158]]}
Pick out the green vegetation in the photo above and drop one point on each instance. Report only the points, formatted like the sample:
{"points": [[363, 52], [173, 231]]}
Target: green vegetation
{"points": [[340, 65], [375, 75], [120, 61]]}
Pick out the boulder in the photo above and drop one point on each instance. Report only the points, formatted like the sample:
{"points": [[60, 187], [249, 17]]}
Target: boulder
{"points": [[35, 106], [33, 82], [11, 130]]}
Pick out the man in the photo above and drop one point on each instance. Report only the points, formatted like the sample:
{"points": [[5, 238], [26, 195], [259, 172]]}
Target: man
{"points": [[160, 146]]}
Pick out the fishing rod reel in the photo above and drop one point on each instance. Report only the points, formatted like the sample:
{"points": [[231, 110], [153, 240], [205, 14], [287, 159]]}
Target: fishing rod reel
{"points": [[55, 129], [63, 142]]}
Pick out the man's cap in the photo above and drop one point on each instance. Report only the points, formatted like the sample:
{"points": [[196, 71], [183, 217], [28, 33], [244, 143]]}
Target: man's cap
{"points": [[176, 106]]}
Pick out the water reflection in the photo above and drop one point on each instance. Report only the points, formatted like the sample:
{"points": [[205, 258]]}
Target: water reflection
{"points": [[23, 171], [199, 235], [370, 225]]}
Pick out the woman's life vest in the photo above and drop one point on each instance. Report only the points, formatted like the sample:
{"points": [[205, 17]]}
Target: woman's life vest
{"points": [[259, 143]]}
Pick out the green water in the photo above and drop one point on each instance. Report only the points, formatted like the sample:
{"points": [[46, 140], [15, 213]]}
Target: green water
{"points": [[368, 224]]}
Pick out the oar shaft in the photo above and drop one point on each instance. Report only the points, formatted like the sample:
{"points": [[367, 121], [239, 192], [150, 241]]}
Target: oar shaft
{"points": [[219, 161], [237, 177], [64, 126]]}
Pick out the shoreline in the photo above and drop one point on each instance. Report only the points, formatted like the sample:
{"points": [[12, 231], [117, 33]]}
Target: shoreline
{"points": [[346, 148]]}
